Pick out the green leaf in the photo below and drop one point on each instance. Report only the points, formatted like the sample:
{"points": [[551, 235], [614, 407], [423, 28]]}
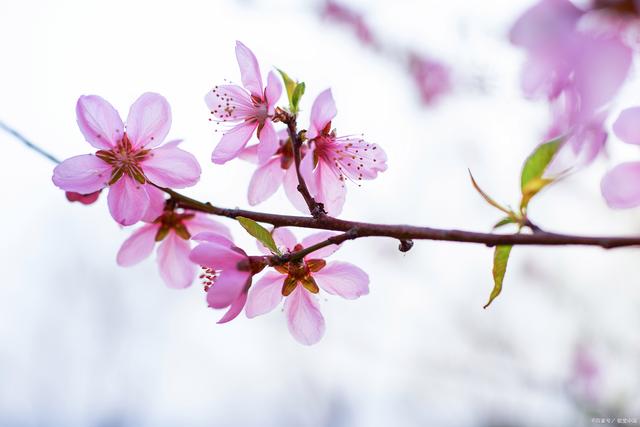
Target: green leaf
{"points": [[260, 233], [531, 189], [486, 197], [289, 85], [500, 259], [296, 96], [537, 162], [504, 221]]}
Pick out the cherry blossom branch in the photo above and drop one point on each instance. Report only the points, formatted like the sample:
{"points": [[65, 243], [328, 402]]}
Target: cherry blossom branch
{"points": [[353, 230], [405, 232], [316, 209]]}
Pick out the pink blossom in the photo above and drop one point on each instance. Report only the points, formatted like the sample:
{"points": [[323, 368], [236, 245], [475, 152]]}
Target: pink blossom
{"points": [[85, 199], [343, 14], [172, 230], [300, 282], [278, 170], [252, 106], [579, 70], [332, 159], [621, 185], [129, 158], [432, 77], [228, 272]]}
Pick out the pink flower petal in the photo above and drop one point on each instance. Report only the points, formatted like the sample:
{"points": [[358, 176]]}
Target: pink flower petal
{"points": [[317, 238], [156, 204], [250, 154], [265, 181], [230, 103], [290, 185], [83, 174], [249, 70], [359, 159], [149, 120], [544, 24], [306, 170], [627, 125], [99, 122], [227, 288], [201, 223], [322, 112], [304, 319], [85, 199], [343, 279], [290, 182], [128, 201], [272, 91], [176, 269], [265, 294], [213, 237], [138, 246], [600, 70], [216, 255], [171, 167], [621, 186], [232, 142], [284, 238], [235, 308], [330, 189], [269, 142]]}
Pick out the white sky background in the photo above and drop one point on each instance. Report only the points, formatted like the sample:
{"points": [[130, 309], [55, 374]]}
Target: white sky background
{"points": [[85, 343]]}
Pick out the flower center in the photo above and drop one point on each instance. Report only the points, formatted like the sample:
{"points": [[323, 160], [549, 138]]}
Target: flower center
{"points": [[171, 220], [299, 272], [124, 159]]}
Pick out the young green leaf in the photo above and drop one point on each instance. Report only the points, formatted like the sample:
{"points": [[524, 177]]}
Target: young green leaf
{"points": [[537, 162], [296, 96], [531, 189], [289, 85], [504, 221], [500, 259], [486, 197], [260, 233]]}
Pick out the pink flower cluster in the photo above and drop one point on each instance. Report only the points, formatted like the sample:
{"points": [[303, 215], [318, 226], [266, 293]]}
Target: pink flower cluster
{"points": [[329, 160], [578, 61], [135, 166]]}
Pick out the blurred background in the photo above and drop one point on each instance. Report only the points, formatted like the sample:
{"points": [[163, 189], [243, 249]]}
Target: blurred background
{"points": [[86, 343]]}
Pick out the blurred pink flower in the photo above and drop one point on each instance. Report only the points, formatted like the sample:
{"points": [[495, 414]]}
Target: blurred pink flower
{"points": [[251, 105], [331, 159], [585, 375], [432, 77], [173, 231], [578, 70], [343, 14], [298, 282], [621, 185], [228, 272], [127, 160]]}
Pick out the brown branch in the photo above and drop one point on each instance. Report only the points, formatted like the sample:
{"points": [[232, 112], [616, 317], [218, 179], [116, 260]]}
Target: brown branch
{"points": [[406, 232], [316, 209], [298, 255]]}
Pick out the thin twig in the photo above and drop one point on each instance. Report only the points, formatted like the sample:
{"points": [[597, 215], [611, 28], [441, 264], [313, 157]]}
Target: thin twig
{"points": [[298, 255], [28, 143], [316, 209]]}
